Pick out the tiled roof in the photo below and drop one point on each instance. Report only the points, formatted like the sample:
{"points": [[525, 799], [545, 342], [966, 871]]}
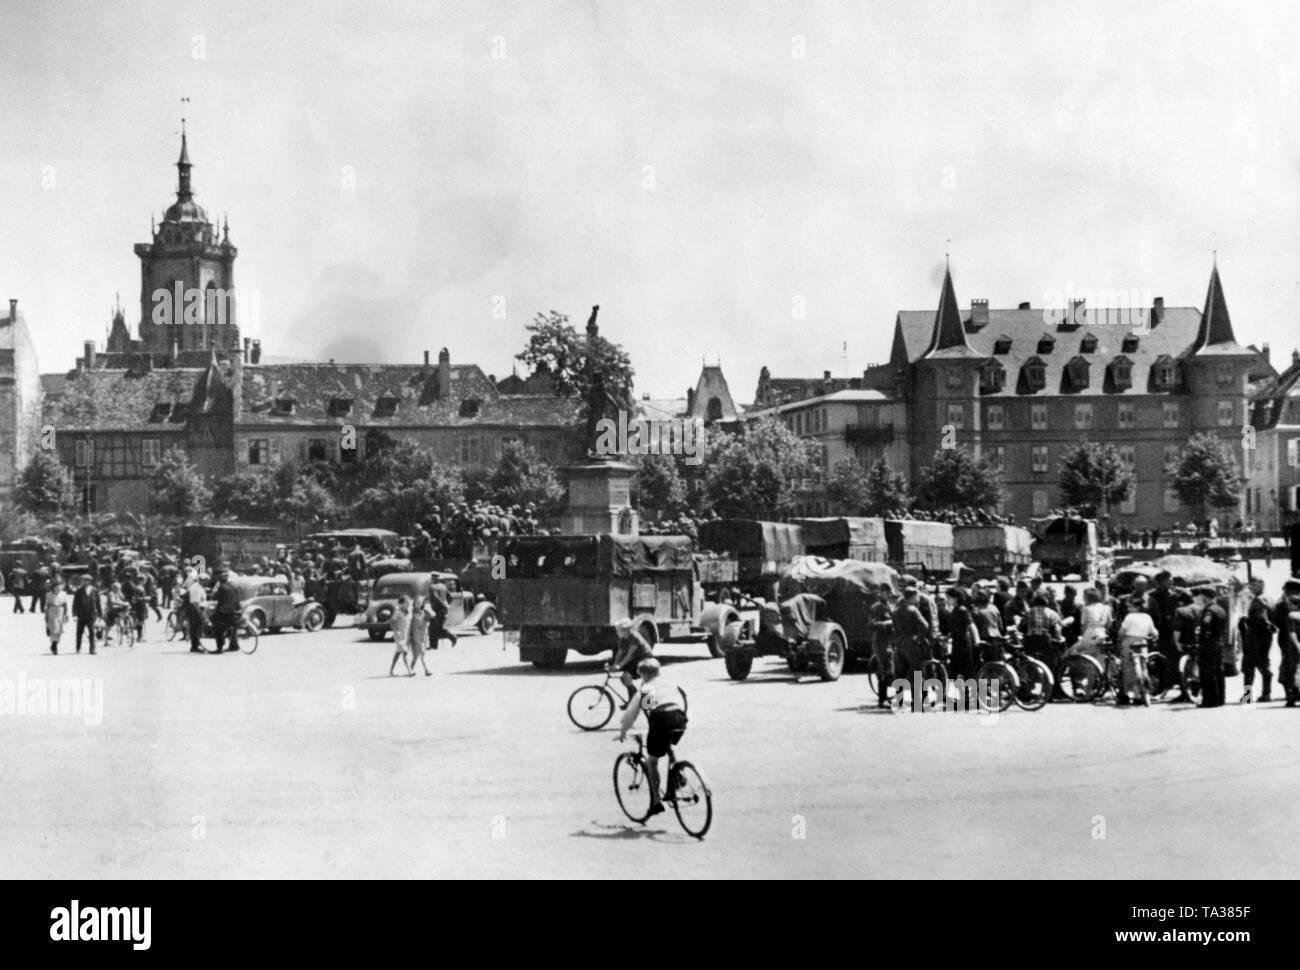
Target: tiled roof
{"points": [[713, 384], [118, 400], [390, 395]]}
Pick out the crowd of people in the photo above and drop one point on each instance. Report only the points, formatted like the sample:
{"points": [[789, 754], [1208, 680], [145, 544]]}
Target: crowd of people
{"points": [[1222, 626]]}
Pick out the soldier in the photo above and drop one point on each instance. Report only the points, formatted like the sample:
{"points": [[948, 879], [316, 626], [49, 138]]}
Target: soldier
{"points": [[1212, 640], [1257, 631], [880, 621], [1287, 621], [912, 632], [18, 584]]}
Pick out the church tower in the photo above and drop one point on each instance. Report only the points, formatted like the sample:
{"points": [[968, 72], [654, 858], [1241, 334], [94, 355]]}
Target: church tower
{"points": [[187, 277]]}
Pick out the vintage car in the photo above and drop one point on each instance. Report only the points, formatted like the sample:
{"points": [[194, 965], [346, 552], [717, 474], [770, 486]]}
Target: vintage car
{"points": [[465, 611], [268, 605]]}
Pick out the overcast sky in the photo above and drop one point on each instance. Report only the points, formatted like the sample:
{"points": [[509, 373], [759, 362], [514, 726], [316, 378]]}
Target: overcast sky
{"points": [[702, 170]]}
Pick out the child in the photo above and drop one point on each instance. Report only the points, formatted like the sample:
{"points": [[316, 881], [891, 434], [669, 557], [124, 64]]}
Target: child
{"points": [[400, 624], [56, 614], [420, 617]]}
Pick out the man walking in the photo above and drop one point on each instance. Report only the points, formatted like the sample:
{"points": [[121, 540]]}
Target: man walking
{"points": [[18, 583], [1257, 631], [195, 597], [225, 613], [88, 610], [1287, 631], [1212, 640]]}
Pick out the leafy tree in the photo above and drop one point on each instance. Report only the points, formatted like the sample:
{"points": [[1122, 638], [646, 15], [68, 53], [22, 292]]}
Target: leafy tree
{"points": [[579, 366], [17, 523], [179, 490], [308, 503], [660, 487], [1205, 475], [852, 489], [754, 474], [409, 482], [523, 477], [1094, 476], [248, 496], [955, 481], [45, 487]]}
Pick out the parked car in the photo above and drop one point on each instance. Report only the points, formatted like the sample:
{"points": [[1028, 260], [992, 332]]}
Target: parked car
{"points": [[465, 611], [269, 606]]}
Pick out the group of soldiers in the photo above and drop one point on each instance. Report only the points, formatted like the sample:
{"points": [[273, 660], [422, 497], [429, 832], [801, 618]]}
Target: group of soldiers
{"points": [[452, 533], [971, 621]]}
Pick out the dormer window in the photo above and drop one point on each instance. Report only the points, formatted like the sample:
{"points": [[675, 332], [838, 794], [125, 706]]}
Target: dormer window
{"points": [[993, 377], [1002, 345], [1164, 372], [283, 406], [1076, 373], [470, 407], [1045, 343], [1121, 373], [386, 406], [1034, 375], [1088, 345], [1130, 344], [340, 407], [161, 411]]}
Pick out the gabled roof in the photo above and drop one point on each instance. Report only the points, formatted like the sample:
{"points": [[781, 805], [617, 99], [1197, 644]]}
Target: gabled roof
{"points": [[713, 384], [116, 400], [948, 336]]}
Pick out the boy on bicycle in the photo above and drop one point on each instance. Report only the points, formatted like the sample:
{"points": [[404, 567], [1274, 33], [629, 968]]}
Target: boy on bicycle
{"points": [[631, 650], [664, 704]]}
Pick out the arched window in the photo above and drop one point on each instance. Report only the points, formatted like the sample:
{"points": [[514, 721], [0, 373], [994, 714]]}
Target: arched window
{"points": [[1076, 373], [993, 377], [1120, 373], [1033, 375], [714, 410]]}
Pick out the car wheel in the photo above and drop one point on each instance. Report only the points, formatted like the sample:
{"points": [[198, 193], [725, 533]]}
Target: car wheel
{"points": [[487, 622], [313, 620], [257, 620]]}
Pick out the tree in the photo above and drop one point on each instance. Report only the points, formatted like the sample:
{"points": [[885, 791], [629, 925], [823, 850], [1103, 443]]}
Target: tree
{"points": [[578, 366], [852, 489], [1094, 477], [661, 489], [179, 490], [955, 481], [409, 481], [755, 474], [248, 496], [1204, 475], [45, 487], [523, 477]]}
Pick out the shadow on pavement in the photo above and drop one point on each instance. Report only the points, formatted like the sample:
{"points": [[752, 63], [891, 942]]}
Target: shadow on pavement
{"points": [[628, 833], [584, 668]]}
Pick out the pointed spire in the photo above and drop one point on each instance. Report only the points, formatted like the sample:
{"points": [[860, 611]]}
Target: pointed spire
{"points": [[183, 166], [949, 333], [1216, 325]]}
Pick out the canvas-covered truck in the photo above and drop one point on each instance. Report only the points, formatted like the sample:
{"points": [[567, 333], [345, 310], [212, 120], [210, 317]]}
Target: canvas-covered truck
{"points": [[563, 593], [845, 537], [238, 547], [1066, 545], [992, 550], [925, 548], [820, 622]]}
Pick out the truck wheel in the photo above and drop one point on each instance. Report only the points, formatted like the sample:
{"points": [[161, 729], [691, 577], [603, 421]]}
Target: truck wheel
{"points": [[829, 661], [738, 665], [377, 635], [553, 660]]}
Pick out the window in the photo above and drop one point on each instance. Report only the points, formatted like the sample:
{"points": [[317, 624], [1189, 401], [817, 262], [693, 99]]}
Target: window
{"points": [[1121, 373], [1225, 414], [386, 406], [1127, 455], [470, 451], [259, 451], [997, 457], [714, 410], [1040, 501], [508, 443], [1171, 413], [954, 380], [118, 457], [957, 416], [1038, 417], [1171, 500], [1083, 416], [1038, 458], [1002, 345], [1169, 462], [1293, 452], [85, 454], [322, 449], [1045, 343], [340, 407], [151, 452], [993, 377], [1130, 344], [284, 405], [1126, 415], [1129, 505], [1165, 372], [995, 417], [88, 499], [1035, 374], [1076, 372], [1223, 374], [1088, 345]]}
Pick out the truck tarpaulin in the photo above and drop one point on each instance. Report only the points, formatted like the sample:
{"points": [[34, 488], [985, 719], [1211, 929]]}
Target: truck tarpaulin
{"points": [[761, 548], [641, 554]]}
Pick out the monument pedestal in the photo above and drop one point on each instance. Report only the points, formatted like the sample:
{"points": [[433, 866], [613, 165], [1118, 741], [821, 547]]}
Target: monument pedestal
{"points": [[600, 500]]}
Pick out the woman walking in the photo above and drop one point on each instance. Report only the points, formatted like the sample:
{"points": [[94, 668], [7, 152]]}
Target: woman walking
{"points": [[400, 624], [1094, 620], [56, 614], [421, 614]]}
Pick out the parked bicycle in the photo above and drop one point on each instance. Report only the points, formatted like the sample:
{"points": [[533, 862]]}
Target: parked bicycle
{"points": [[687, 791], [1087, 679], [1023, 680]]}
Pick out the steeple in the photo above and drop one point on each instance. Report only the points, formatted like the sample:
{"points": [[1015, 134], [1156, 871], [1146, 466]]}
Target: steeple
{"points": [[1216, 326], [183, 191], [949, 339]]}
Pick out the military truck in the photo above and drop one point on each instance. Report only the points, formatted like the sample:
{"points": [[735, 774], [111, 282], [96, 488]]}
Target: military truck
{"points": [[992, 550]]}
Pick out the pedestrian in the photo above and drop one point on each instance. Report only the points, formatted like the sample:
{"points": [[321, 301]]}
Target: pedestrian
{"points": [[1212, 640], [191, 602], [18, 583], [226, 611], [1286, 617], [964, 639], [438, 625], [1041, 627], [881, 624], [1094, 623], [1268, 552], [56, 615], [40, 583], [1136, 633], [421, 615], [400, 624], [1257, 631], [988, 621], [88, 610]]}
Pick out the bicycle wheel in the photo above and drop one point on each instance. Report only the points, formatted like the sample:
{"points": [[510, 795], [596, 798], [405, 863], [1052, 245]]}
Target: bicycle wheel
{"points": [[691, 798], [873, 680], [1035, 688], [591, 707], [631, 786], [248, 638], [172, 626], [1080, 677], [998, 683], [1158, 677], [934, 670], [1190, 674], [129, 634]]}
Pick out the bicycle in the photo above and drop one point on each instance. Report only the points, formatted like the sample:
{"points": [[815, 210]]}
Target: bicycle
{"points": [[592, 706], [248, 638], [933, 669], [177, 626], [1023, 680], [122, 629], [688, 792], [1107, 675]]}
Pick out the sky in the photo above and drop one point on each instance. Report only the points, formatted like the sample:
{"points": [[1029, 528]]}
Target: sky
{"points": [[745, 183]]}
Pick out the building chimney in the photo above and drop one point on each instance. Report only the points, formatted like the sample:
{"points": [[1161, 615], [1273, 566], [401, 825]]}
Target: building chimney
{"points": [[426, 358], [1157, 312], [1078, 313], [1266, 353], [444, 373], [1295, 357], [826, 375], [1025, 306], [255, 355], [690, 402], [979, 313], [247, 344], [13, 311], [89, 349]]}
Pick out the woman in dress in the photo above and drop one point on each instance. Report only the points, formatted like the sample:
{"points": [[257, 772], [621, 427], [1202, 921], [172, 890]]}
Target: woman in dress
{"points": [[56, 614], [1094, 620], [400, 624], [420, 617]]}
